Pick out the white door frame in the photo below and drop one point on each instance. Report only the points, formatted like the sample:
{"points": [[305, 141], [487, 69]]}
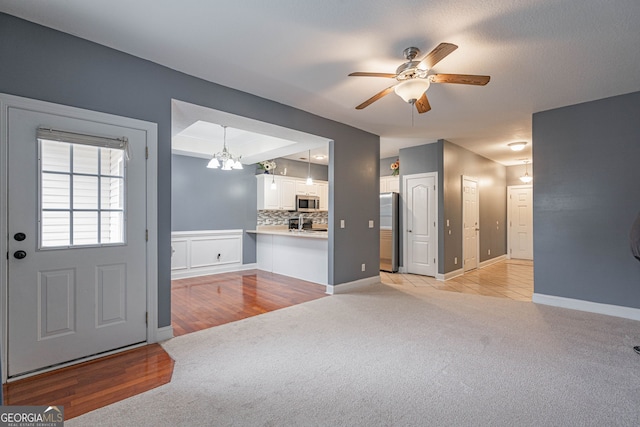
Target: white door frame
{"points": [[509, 188], [405, 242], [151, 129], [474, 179]]}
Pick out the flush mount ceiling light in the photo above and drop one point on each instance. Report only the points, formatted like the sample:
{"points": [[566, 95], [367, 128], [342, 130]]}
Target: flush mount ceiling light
{"points": [[517, 146], [224, 160], [526, 178], [319, 157]]}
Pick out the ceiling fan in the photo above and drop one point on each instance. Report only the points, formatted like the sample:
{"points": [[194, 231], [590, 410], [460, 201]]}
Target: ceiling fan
{"points": [[414, 77]]}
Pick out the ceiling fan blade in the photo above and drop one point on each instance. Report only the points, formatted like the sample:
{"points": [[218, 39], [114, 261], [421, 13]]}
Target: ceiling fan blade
{"points": [[437, 55], [465, 79], [364, 74], [375, 97], [422, 104]]}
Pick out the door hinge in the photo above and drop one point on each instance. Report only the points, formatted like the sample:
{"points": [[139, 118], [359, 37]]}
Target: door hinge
{"points": [[434, 188], [146, 317], [146, 235], [146, 152], [510, 251]]}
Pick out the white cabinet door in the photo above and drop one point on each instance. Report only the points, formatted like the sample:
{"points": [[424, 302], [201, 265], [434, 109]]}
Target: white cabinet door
{"points": [[268, 198], [389, 183], [393, 184], [306, 190], [323, 192], [287, 188]]}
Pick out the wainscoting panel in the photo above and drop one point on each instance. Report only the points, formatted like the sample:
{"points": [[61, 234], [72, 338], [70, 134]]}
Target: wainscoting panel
{"points": [[202, 252]]}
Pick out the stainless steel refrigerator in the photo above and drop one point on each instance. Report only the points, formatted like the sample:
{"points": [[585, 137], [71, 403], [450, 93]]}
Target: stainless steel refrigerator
{"points": [[389, 232]]}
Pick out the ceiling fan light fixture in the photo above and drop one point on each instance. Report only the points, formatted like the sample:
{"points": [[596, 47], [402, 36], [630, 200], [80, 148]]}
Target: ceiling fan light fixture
{"points": [[412, 89], [517, 146]]}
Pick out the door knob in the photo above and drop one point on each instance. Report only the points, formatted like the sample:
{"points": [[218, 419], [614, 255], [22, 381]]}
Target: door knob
{"points": [[19, 254], [409, 231], [19, 236]]}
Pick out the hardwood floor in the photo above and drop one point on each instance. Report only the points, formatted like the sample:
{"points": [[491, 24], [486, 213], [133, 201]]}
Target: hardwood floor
{"points": [[197, 303], [511, 279], [203, 302], [92, 385]]}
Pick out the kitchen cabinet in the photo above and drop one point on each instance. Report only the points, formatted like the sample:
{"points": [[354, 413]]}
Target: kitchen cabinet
{"points": [[287, 188], [283, 197], [389, 183], [306, 190], [323, 193]]}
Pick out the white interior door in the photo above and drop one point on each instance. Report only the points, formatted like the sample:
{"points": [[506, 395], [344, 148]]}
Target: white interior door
{"points": [[420, 224], [470, 223], [521, 222], [77, 273]]}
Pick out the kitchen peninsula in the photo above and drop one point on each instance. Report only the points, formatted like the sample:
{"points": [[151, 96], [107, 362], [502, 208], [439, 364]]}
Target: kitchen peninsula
{"points": [[300, 254]]}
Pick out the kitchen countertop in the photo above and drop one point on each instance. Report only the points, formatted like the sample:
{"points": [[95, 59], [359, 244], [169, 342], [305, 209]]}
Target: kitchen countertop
{"points": [[284, 231]]}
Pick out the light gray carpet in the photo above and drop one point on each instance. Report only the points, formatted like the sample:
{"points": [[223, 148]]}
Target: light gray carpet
{"points": [[385, 357]]}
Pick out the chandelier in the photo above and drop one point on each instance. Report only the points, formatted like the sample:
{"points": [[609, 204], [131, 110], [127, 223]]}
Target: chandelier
{"points": [[224, 160]]}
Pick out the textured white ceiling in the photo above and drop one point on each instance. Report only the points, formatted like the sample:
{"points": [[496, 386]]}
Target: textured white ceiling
{"points": [[540, 54]]}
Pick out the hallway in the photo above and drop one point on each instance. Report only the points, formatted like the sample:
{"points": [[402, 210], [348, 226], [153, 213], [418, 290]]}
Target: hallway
{"points": [[511, 279]]}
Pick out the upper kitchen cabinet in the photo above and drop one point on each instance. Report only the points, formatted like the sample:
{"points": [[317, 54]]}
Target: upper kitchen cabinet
{"points": [[283, 197], [303, 189], [389, 184], [323, 193]]}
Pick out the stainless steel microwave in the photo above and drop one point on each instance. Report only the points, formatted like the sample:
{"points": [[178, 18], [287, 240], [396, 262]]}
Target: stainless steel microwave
{"points": [[307, 203]]}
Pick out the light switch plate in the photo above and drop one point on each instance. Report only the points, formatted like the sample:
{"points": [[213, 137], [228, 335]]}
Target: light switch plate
{"points": [[370, 223], [342, 223]]}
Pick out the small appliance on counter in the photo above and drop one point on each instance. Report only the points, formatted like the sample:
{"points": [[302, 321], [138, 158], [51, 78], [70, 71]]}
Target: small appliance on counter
{"points": [[389, 232], [294, 223]]}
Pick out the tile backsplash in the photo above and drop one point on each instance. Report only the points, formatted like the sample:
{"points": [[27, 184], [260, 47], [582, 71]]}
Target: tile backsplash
{"points": [[282, 217]]}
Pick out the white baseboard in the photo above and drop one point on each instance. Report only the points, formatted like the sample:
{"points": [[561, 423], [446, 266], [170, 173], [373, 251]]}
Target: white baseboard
{"points": [[591, 307], [351, 286], [205, 271], [164, 333], [491, 261], [449, 275]]}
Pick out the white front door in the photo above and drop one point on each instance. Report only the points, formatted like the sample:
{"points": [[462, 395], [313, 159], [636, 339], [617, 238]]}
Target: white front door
{"points": [[420, 224], [76, 223], [521, 222], [470, 223]]}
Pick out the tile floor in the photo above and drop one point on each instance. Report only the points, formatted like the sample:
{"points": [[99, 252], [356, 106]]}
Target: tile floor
{"points": [[511, 279]]}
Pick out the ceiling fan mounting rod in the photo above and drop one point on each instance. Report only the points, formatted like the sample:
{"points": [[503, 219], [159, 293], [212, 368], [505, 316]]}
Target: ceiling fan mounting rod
{"points": [[410, 53]]}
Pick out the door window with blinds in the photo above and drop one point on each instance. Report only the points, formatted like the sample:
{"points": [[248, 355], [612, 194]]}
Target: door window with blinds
{"points": [[82, 190]]}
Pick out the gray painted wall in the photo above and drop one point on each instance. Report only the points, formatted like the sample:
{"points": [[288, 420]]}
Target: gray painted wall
{"points": [[87, 75], [586, 196], [493, 204], [213, 199], [354, 193], [299, 169]]}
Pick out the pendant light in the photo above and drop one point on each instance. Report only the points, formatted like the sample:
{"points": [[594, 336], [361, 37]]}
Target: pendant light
{"points": [[309, 180], [526, 178], [224, 160]]}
